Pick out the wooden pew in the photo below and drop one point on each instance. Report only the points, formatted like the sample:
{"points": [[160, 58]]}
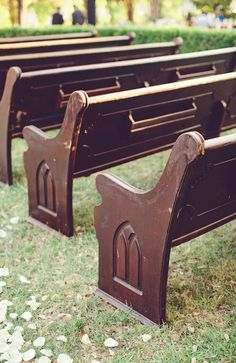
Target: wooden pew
{"points": [[65, 44], [136, 230], [34, 38], [40, 97], [102, 131], [39, 61]]}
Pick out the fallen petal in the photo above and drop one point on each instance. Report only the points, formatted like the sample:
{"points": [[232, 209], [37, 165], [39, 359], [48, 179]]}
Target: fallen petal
{"points": [[46, 352], [39, 342], [23, 279], [13, 316], [111, 343], [30, 354], [26, 316], [85, 339], [14, 220], [2, 233], [32, 326], [146, 337], [44, 360], [4, 271], [64, 358], [62, 338]]}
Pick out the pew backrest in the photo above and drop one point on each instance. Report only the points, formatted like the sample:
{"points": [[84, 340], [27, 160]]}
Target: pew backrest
{"points": [[40, 97], [65, 44], [39, 61], [207, 194], [34, 38]]}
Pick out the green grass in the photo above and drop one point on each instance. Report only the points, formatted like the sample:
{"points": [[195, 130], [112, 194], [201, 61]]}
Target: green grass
{"points": [[201, 287]]}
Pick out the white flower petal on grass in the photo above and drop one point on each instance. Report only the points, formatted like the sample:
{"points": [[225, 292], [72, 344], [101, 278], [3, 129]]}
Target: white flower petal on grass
{"points": [[44, 360], [3, 234], [13, 316], [64, 358], [33, 303], [13, 355], [111, 343], [4, 271], [26, 315], [85, 339], [3, 347], [30, 354], [14, 220], [19, 328], [44, 298], [62, 338], [17, 339], [4, 336], [39, 342], [9, 325], [46, 352], [24, 279], [32, 326], [146, 337], [3, 309]]}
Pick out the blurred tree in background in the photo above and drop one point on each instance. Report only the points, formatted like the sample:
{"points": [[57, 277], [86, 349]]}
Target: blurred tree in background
{"points": [[109, 12]]}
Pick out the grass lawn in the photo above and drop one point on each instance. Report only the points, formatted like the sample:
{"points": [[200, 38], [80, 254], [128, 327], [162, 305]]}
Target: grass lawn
{"points": [[63, 277]]}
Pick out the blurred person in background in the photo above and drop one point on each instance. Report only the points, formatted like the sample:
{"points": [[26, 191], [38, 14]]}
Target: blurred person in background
{"points": [[57, 18], [77, 16]]}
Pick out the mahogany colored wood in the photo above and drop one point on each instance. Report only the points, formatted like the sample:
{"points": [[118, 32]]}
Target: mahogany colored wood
{"points": [[40, 97], [136, 230], [34, 38], [65, 44], [39, 61], [116, 128]]}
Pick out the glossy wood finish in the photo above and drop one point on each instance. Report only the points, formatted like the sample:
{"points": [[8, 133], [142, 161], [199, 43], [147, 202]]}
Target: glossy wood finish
{"points": [[34, 38], [40, 97], [136, 230], [115, 128], [39, 61], [65, 44]]}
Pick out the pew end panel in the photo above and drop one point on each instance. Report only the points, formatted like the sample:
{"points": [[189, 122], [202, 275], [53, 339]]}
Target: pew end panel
{"points": [[196, 193], [132, 228], [49, 168], [13, 76]]}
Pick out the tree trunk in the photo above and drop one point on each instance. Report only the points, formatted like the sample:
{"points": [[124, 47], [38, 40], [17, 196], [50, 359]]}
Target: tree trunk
{"points": [[130, 9], [155, 10]]}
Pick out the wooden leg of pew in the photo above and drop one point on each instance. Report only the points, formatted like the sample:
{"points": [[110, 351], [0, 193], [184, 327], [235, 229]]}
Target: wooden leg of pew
{"points": [[133, 262], [49, 169], [5, 137], [49, 186]]}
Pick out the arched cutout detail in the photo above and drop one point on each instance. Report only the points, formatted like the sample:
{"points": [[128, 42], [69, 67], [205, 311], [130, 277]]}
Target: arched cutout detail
{"points": [[46, 194], [127, 257]]}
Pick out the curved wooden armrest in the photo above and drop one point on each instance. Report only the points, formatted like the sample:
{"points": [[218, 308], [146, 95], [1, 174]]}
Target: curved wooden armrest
{"points": [[108, 183], [34, 134]]}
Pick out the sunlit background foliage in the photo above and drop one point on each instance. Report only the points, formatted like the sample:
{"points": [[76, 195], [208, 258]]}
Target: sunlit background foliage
{"points": [[140, 12]]}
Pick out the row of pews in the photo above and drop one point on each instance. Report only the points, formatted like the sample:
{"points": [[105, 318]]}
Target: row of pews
{"points": [[114, 102]]}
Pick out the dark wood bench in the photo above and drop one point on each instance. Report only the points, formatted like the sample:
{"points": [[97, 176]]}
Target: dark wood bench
{"points": [[136, 230], [102, 131], [39, 61], [34, 38], [65, 44], [40, 97]]}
